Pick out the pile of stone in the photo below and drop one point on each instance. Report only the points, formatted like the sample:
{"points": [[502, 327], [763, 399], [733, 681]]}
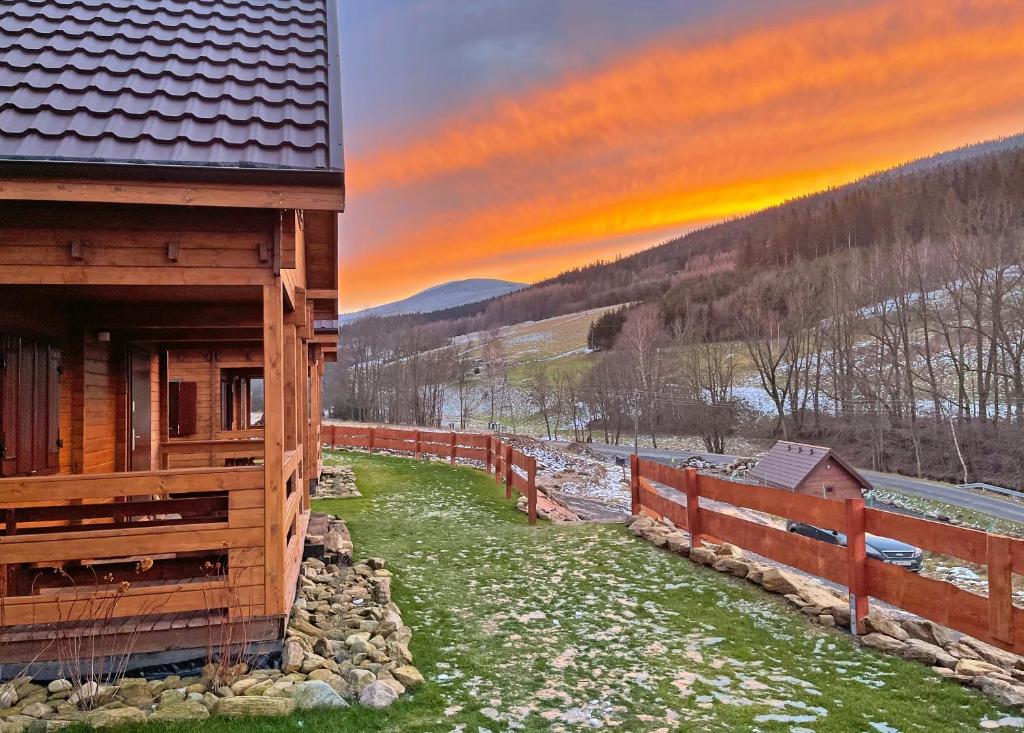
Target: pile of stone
{"points": [[337, 482], [737, 468], [332, 535], [548, 508], [345, 642], [997, 673], [347, 632]]}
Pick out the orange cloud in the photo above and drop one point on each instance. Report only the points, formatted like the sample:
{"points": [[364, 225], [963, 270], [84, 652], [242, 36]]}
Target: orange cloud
{"points": [[670, 136]]}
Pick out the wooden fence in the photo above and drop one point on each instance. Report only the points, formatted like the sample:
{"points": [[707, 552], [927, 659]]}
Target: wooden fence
{"points": [[994, 619], [516, 470]]}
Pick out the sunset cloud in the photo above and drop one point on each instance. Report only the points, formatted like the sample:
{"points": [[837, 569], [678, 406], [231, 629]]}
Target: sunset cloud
{"points": [[674, 134]]}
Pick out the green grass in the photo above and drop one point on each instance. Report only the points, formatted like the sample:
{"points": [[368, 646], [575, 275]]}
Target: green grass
{"points": [[554, 626]]}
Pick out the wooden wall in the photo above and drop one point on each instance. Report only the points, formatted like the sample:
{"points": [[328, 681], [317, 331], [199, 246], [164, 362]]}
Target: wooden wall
{"points": [[829, 473]]}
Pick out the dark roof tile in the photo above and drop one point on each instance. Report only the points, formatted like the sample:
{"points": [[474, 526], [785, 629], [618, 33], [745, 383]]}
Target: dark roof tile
{"points": [[231, 83]]}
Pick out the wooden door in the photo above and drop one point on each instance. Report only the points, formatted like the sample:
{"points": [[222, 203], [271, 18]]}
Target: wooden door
{"points": [[30, 373], [140, 425]]}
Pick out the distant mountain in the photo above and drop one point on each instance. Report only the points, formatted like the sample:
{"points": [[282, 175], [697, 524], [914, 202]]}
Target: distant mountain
{"points": [[439, 297]]}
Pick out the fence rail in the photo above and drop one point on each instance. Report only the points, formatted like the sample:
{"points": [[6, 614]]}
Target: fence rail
{"points": [[993, 619], [516, 470]]}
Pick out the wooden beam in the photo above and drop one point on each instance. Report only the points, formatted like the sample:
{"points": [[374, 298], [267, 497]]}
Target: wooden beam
{"points": [[319, 294], [172, 315], [273, 436], [128, 275], [176, 194], [291, 437], [168, 334]]}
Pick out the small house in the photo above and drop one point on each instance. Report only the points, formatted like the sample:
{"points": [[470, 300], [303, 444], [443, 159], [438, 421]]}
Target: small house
{"points": [[809, 469], [171, 176]]}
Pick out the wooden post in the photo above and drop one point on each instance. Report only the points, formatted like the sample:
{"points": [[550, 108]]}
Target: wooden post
{"points": [[691, 485], [1000, 591], [371, 440], [487, 455], [273, 440], [508, 471], [856, 553], [291, 438], [498, 448], [634, 482], [417, 444], [451, 449], [531, 491]]}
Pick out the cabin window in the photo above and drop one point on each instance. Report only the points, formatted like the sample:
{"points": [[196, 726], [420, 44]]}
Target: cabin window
{"points": [[30, 372], [239, 388], [181, 409]]}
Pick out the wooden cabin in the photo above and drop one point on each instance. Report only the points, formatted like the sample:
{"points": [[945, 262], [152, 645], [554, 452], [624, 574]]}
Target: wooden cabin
{"points": [[809, 469], [170, 181]]}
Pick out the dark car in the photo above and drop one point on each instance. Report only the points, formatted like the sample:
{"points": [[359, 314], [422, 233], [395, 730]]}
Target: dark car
{"points": [[893, 552]]}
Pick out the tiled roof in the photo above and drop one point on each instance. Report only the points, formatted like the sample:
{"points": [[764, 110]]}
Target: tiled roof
{"points": [[222, 83], [787, 464]]}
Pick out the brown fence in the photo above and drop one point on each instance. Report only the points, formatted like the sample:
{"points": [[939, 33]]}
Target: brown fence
{"points": [[993, 619], [516, 470]]}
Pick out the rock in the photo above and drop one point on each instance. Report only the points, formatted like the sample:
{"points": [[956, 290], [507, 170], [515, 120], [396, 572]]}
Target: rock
{"points": [[732, 566], [408, 675], [399, 652], [921, 651], [87, 692], [305, 627], [8, 695], [335, 542], [918, 628], [291, 656], [727, 550], [377, 695], [37, 710], [316, 694], [781, 581], [883, 643], [115, 717], [240, 686], [58, 686], [827, 620], [878, 622], [975, 668], [180, 710], [991, 654], [678, 543], [1003, 692], [360, 679], [703, 556], [239, 707]]}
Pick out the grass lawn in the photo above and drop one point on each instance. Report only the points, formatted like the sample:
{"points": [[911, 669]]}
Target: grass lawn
{"points": [[573, 627]]}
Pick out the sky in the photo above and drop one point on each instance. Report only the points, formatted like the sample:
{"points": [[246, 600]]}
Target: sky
{"points": [[518, 138]]}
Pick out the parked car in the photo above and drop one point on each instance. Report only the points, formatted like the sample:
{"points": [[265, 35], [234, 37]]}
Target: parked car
{"points": [[887, 550]]}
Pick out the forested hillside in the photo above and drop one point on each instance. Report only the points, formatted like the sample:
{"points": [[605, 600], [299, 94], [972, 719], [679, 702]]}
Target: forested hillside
{"points": [[886, 316]]}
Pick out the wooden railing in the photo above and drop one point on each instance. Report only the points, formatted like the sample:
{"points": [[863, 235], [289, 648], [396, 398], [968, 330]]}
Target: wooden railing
{"points": [[146, 537], [217, 452], [993, 619], [517, 470]]}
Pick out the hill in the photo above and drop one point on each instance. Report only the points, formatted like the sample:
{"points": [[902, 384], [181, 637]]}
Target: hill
{"points": [[439, 297], [908, 202]]}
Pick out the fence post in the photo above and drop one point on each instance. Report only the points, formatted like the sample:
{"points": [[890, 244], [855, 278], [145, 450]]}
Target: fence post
{"points": [[531, 491], [498, 448], [634, 482], [417, 444], [487, 455], [856, 553], [508, 472], [691, 485], [371, 440], [1000, 590], [451, 450]]}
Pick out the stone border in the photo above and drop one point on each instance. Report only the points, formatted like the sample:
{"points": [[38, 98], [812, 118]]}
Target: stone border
{"points": [[950, 654], [345, 642]]}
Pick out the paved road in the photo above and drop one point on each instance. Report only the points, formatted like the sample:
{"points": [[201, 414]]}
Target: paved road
{"points": [[965, 498]]}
